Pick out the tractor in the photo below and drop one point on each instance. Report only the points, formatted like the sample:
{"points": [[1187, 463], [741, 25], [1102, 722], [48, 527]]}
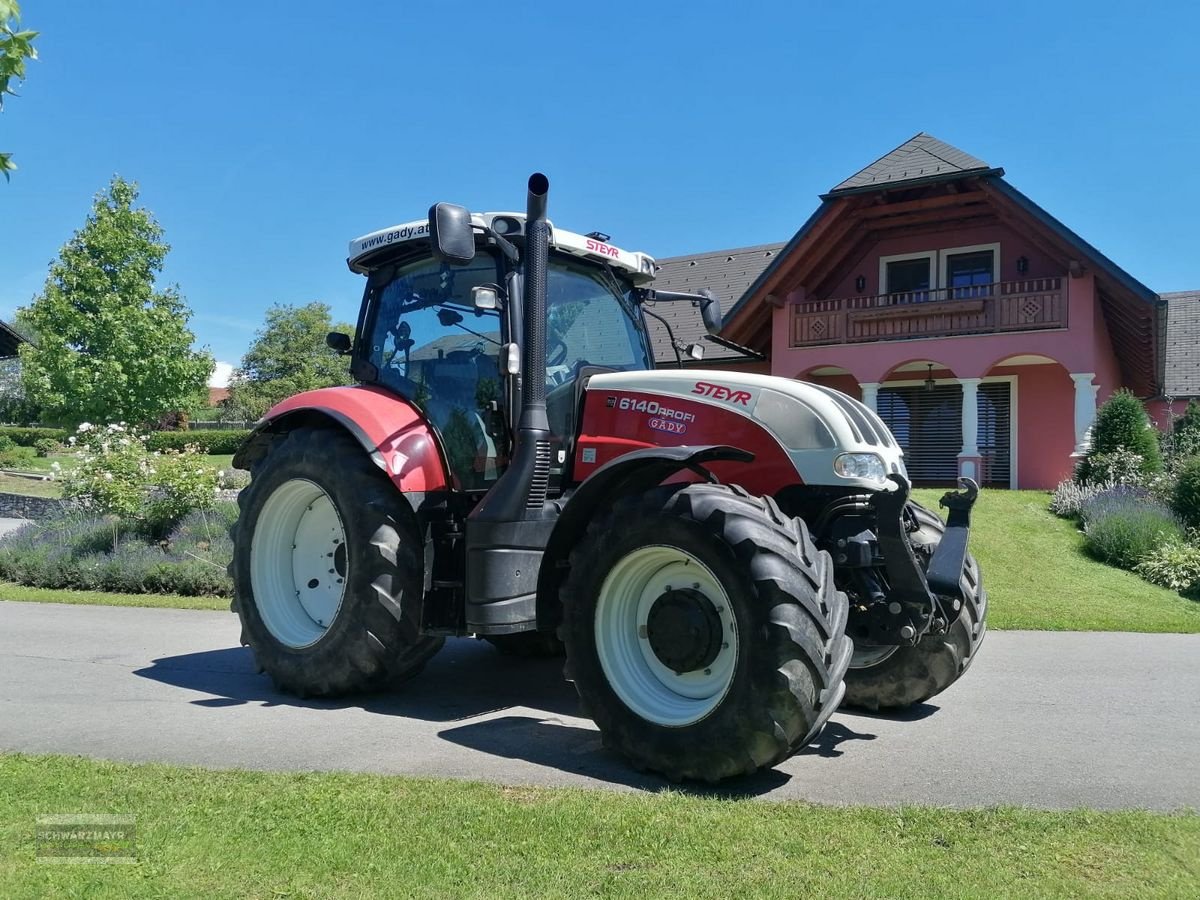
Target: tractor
{"points": [[723, 558]]}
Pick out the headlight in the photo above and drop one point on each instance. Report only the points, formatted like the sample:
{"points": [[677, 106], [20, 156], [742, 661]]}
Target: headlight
{"points": [[860, 465]]}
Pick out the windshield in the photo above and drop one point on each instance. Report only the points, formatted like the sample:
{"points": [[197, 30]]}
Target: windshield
{"points": [[431, 345], [590, 320]]}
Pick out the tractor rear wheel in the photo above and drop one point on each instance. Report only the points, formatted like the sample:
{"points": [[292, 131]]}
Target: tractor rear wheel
{"points": [[328, 569], [897, 677], [703, 630]]}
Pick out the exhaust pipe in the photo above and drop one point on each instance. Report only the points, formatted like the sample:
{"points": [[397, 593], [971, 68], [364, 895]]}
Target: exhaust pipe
{"points": [[508, 529]]}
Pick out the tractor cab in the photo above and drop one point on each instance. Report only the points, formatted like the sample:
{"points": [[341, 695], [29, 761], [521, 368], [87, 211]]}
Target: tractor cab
{"points": [[446, 335]]}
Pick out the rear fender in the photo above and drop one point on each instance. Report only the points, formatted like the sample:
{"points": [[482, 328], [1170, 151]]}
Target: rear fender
{"points": [[631, 473], [389, 428]]}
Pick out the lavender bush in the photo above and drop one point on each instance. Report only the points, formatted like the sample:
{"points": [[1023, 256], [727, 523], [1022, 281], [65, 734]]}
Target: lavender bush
{"points": [[1124, 524]]}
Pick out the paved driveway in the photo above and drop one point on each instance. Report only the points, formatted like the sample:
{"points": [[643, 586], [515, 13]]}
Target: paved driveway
{"points": [[1043, 719]]}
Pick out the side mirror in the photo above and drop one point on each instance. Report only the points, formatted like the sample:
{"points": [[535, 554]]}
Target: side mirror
{"points": [[453, 237], [694, 351], [710, 311], [338, 342], [484, 297]]}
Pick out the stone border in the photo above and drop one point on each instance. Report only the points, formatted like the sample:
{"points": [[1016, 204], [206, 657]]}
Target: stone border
{"points": [[20, 506]]}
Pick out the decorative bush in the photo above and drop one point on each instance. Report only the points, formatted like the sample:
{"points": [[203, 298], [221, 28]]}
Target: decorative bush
{"points": [[1186, 499], [1118, 467], [1069, 496], [28, 437], [1114, 498], [214, 442], [1121, 425], [1122, 527], [15, 457], [75, 552], [45, 446], [118, 476], [1174, 565], [232, 479]]}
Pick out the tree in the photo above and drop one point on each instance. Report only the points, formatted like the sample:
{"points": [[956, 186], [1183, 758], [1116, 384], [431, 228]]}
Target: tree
{"points": [[1121, 428], [111, 348], [289, 355], [15, 48]]}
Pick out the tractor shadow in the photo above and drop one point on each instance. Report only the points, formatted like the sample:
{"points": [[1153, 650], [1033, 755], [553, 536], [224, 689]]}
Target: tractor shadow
{"points": [[466, 679]]}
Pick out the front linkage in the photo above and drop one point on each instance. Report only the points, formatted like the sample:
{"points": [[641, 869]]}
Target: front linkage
{"points": [[914, 599]]}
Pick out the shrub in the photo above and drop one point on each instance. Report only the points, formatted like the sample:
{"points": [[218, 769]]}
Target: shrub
{"points": [[214, 442], [1174, 565], [1121, 425], [1114, 498], [118, 476], [76, 552], [1122, 527], [16, 457], [45, 446], [232, 479], [28, 437], [1069, 496], [1186, 499], [1117, 467]]}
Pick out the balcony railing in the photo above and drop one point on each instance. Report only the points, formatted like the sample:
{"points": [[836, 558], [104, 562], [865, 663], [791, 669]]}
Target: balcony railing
{"points": [[1031, 305]]}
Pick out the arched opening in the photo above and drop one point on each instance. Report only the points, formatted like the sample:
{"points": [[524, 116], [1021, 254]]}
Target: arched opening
{"points": [[835, 377], [1026, 420], [921, 401]]}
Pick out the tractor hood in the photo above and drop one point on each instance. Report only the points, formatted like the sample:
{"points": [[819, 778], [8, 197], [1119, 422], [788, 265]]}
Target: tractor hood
{"points": [[814, 425]]}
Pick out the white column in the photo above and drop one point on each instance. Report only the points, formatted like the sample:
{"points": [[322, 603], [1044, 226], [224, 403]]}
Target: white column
{"points": [[1085, 409], [870, 394], [970, 416]]}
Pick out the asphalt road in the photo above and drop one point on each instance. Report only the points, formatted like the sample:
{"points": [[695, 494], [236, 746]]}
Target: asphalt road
{"points": [[1053, 720], [7, 525]]}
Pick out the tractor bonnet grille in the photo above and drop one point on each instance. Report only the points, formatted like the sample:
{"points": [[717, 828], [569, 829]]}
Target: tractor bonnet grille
{"points": [[541, 477]]}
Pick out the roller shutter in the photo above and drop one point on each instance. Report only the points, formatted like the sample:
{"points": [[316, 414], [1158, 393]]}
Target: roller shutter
{"points": [[928, 426]]}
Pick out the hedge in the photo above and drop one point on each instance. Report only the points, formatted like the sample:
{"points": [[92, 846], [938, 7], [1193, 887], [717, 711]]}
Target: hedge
{"points": [[215, 442], [28, 437]]}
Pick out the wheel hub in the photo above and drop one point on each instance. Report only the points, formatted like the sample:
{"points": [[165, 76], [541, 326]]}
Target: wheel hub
{"points": [[684, 630]]}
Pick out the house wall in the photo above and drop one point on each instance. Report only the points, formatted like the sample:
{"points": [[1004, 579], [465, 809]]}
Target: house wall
{"points": [[1044, 399], [1012, 247], [1158, 411]]}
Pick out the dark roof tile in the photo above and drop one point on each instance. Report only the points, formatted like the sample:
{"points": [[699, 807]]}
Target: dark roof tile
{"points": [[920, 157], [1182, 364], [727, 273]]}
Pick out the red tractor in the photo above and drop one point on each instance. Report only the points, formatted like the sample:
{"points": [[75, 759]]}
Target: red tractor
{"points": [[723, 557]]}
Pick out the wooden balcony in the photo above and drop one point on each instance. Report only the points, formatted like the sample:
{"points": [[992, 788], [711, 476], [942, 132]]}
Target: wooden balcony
{"points": [[1032, 305]]}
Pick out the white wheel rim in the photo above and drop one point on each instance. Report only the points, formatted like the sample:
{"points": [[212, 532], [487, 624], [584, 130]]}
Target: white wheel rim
{"points": [[298, 565], [865, 657], [639, 678]]}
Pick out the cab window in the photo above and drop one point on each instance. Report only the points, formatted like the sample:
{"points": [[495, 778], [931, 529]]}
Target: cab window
{"points": [[432, 346]]}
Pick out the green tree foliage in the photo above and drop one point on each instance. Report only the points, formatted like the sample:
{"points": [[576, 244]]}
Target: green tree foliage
{"points": [[15, 47], [288, 356], [111, 348], [1187, 493], [1122, 426]]}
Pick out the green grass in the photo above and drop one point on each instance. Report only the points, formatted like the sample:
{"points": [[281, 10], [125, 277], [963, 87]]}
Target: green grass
{"points": [[244, 834], [1039, 577], [29, 487], [9, 591]]}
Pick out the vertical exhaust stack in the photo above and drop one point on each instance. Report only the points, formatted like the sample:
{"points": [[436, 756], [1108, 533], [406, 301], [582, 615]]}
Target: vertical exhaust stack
{"points": [[507, 531]]}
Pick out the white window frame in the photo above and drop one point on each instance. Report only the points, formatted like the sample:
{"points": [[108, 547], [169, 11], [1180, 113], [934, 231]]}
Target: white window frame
{"points": [[939, 264], [931, 255], [944, 261]]}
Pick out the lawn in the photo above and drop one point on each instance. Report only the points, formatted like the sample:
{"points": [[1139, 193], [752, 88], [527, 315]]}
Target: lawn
{"points": [[10, 591], [1038, 576], [251, 834]]}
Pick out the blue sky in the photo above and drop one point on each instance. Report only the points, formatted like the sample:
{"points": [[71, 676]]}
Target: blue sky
{"points": [[265, 138]]}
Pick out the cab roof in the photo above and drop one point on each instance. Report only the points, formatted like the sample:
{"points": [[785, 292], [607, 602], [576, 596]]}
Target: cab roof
{"points": [[368, 251]]}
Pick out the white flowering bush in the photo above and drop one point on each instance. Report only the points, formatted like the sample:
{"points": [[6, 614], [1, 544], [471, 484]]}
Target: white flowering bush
{"points": [[118, 476]]}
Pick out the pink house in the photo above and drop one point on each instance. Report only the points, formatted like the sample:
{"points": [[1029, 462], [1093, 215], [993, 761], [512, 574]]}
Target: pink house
{"points": [[982, 329]]}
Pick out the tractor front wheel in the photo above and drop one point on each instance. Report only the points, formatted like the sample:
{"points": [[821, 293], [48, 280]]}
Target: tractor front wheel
{"points": [[898, 677], [703, 631], [328, 569]]}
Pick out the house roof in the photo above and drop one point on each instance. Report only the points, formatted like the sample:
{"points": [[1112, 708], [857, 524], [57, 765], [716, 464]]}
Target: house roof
{"points": [[1182, 375], [216, 395], [944, 187], [10, 340], [921, 158], [727, 273]]}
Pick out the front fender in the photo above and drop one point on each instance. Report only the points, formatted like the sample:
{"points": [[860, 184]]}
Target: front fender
{"points": [[389, 428], [633, 472]]}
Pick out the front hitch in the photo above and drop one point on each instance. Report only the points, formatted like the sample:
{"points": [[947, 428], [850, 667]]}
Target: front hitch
{"points": [[946, 567]]}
